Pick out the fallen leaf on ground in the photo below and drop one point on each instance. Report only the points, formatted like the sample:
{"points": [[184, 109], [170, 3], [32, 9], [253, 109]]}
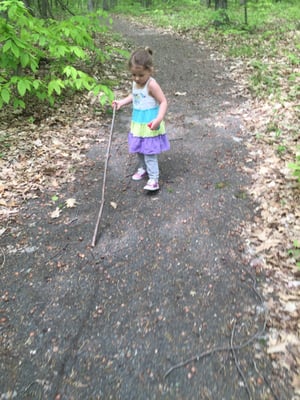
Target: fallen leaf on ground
{"points": [[55, 213], [71, 203], [113, 204]]}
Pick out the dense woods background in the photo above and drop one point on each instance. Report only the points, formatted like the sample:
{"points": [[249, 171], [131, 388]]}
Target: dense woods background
{"points": [[43, 42]]}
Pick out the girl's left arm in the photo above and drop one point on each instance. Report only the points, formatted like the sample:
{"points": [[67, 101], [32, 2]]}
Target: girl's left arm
{"points": [[156, 92]]}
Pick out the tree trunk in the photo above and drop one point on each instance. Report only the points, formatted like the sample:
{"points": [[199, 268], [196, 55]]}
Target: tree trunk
{"points": [[90, 6], [246, 12], [28, 6], [220, 4], [146, 3], [44, 9], [105, 5]]}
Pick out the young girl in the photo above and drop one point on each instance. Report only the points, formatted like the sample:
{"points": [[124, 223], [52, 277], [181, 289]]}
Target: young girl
{"points": [[147, 135]]}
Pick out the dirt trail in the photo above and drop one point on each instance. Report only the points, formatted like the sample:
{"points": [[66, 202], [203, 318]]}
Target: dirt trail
{"points": [[169, 278]]}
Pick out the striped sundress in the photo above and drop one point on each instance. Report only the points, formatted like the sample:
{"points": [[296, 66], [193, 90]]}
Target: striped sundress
{"points": [[141, 138]]}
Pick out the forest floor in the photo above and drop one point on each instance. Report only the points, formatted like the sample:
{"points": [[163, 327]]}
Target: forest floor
{"points": [[168, 304]]}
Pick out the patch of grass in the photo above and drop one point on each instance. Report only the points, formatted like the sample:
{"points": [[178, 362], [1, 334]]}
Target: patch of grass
{"points": [[295, 166], [241, 194], [281, 149], [295, 252], [221, 185]]}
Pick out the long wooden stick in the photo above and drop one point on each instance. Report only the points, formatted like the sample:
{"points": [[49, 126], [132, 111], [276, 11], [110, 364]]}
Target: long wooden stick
{"points": [[104, 178]]}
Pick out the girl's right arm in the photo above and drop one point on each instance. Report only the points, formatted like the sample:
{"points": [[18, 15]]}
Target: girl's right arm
{"points": [[120, 103]]}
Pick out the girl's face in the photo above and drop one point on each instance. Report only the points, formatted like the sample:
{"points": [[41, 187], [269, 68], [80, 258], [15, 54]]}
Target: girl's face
{"points": [[140, 74]]}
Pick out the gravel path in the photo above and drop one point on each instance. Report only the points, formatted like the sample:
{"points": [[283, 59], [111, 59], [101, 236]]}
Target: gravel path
{"points": [[169, 278]]}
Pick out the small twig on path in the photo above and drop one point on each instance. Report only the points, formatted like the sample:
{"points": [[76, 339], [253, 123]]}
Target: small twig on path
{"points": [[119, 288], [237, 363], [3, 255], [212, 351], [72, 220], [266, 380], [104, 179], [196, 358], [225, 348], [36, 382], [58, 253]]}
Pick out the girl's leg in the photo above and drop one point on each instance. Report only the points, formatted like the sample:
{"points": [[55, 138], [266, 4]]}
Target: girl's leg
{"points": [[142, 169], [151, 162], [142, 163]]}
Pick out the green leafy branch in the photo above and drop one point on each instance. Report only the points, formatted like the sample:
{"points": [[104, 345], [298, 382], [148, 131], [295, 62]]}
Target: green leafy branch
{"points": [[40, 58]]}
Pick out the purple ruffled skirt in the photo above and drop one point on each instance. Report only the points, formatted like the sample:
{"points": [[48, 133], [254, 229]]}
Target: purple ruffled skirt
{"points": [[148, 145]]}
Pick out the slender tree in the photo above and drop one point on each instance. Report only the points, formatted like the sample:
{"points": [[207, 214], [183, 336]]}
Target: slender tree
{"points": [[220, 4]]}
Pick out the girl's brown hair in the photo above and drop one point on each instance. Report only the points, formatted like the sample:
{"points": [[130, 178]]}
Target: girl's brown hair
{"points": [[142, 57]]}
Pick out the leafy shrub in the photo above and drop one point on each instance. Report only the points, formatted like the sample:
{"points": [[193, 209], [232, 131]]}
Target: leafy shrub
{"points": [[38, 57]]}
